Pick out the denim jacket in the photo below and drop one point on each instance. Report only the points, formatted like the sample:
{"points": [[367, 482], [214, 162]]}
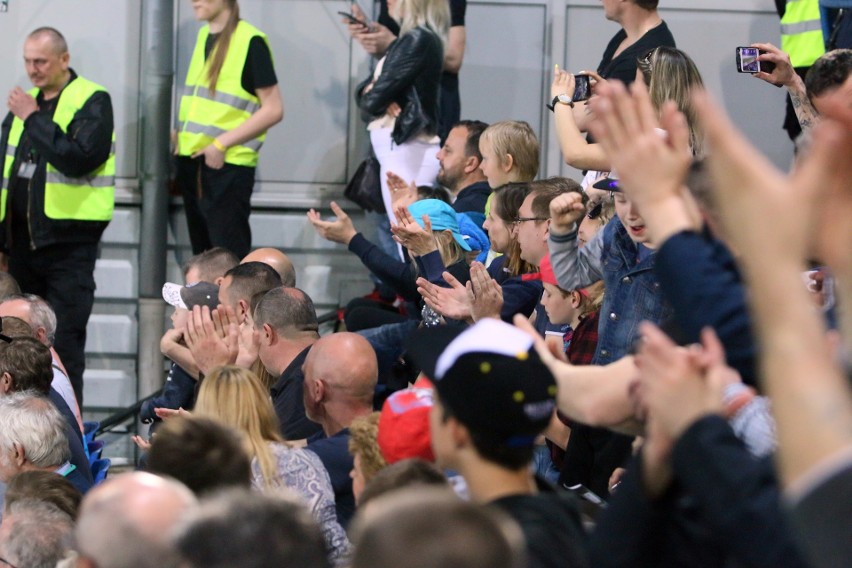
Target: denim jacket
{"points": [[632, 290]]}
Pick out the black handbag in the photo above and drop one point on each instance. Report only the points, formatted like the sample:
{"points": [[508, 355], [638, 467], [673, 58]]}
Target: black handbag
{"points": [[365, 187]]}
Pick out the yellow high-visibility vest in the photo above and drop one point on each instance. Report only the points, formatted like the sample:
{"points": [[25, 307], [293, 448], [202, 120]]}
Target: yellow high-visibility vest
{"points": [[202, 115], [801, 32], [87, 198]]}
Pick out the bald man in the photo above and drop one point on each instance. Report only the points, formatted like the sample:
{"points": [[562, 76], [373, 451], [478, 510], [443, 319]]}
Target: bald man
{"points": [[128, 520], [340, 379], [277, 260]]}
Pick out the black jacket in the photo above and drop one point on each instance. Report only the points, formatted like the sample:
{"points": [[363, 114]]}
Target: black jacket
{"points": [[411, 77], [84, 147]]}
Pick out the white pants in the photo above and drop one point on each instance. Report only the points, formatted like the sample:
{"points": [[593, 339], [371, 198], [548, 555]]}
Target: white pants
{"points": [[412, 161]]}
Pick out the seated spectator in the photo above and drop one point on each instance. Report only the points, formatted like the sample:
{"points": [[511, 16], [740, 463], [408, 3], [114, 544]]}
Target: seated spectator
{"points": [[279, 262], [41, 318], [519, 295], [209, 266], [460, 159], [179, 388], [340, 381], [403, 426], [201, 453], [405, 474], [510, 153], [35, 534], [25, 365], [432, 528], [235, 397], [128, 521], [33, 436], [244, 281], [494, 397], [272, 531], [367, 458], [44, 486], [286, 324]]}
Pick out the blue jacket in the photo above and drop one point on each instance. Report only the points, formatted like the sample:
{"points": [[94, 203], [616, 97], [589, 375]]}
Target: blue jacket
{"points": [[632, 291]]}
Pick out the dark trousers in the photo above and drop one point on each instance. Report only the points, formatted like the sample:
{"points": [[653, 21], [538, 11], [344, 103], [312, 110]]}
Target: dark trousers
{"points": [[218, 205], [64, 276]]}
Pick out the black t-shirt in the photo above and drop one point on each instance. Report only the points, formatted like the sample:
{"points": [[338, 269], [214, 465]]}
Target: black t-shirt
{"points": [[551, 526], [258, 71], [623, 67], [457, 12]]}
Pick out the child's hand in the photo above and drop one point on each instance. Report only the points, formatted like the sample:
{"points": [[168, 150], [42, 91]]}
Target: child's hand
{"points": [[565, 211]]}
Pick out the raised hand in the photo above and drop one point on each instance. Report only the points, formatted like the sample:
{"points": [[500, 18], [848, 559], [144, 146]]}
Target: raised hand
{"points": [[341, 230], [402, 193], [565, 212], [408, 232], [484, 293], [210, 348]]}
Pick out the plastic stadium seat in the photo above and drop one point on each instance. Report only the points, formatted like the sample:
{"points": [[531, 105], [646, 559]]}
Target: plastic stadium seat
{"points": [[100, 468], [89, 431], [94, 448]]}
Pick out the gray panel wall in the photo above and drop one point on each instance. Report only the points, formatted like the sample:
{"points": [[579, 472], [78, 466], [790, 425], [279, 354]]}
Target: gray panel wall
{"points": [[512, 46]]}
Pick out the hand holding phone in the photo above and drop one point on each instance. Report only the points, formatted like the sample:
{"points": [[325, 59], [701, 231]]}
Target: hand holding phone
{"points": [[351, 19], [748, 62]]}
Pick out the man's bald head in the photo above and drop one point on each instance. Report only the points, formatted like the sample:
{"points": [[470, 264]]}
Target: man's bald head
{"points": [[346, 363], [277, 260], [127, 521]]}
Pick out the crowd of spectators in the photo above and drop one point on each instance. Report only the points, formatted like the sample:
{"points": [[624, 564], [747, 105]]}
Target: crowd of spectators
{"points": [[647, 368]]}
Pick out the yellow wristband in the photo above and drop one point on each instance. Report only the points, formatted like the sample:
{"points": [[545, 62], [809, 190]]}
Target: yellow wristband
{"points": [[219, 146]]}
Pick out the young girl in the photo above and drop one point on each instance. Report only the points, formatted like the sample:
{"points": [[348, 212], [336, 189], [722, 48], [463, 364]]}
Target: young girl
{"points": [[231, 98]]}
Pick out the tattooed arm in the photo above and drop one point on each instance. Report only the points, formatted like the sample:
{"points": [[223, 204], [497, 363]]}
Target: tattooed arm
{"points": [[783, 75]]}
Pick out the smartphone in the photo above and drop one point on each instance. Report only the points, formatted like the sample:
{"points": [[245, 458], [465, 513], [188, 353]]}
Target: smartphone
{"points": [[582, 88], [353, 20], [747, 61]]}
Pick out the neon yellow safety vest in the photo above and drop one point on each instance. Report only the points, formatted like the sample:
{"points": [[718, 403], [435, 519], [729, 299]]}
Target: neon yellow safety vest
{"points": [[801, 32], [87, 198], [203, 115]]}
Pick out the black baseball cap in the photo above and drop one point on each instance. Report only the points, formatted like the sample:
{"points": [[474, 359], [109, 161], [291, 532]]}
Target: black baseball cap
{"points": [[195, 294]]}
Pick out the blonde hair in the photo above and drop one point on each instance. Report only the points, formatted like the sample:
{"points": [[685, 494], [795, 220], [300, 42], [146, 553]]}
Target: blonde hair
{"points": [[363, 435], [432, 14], [236, 397], [220, 48], [450, 251], [517, 139], [671, 75]]}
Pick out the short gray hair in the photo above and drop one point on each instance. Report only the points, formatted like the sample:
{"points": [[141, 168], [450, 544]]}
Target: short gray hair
{"points": [[33, 422], [41, 314], [40, 534]]}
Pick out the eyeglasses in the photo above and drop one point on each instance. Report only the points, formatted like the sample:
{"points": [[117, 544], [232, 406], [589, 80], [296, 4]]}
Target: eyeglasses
{"points": [[6, 562], [7, 339], [519, 220]]}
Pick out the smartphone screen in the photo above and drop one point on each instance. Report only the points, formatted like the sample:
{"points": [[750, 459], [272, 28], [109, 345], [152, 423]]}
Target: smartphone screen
{"points": [[582, 88], [747, 61]]}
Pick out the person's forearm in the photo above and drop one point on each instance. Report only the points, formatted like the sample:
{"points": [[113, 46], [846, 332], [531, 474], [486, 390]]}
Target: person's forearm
{"points": [[182, 356], [268, 115], [805, 112], [454, 54], [597, 395], [575, 267], [576, 151], [810, 395]]}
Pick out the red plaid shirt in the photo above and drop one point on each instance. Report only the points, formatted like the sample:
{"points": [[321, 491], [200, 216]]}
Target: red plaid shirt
{"points": [[584, 340]]}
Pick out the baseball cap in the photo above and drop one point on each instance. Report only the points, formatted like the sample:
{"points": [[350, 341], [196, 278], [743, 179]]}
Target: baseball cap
{"points": [[609, 183], [404, 426], [195, 294], [490, 378], [442, 217]]}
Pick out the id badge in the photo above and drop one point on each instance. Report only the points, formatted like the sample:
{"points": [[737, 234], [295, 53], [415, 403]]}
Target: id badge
{"points": [[27, 170]]}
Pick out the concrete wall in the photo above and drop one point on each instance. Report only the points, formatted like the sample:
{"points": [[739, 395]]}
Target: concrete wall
{"points": [[512, 45]]}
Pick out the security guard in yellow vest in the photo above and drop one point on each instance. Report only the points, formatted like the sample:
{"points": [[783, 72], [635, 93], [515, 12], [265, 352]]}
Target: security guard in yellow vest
{"points": [[230, 99], [57, 147]]}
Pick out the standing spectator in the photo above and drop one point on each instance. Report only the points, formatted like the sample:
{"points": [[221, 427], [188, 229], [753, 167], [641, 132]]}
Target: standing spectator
{"points": [[401, 98], [230, 100], [381, 34], [460, 159], [59, 186]]}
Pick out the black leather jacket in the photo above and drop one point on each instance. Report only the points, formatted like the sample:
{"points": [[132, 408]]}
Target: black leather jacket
{"points": [[411, 77]]}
